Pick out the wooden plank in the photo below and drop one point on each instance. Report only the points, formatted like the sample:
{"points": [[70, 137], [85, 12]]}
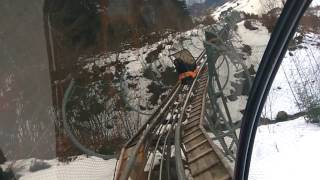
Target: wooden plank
{"points": [[209, 166], [191, 160], [191, 129], [219, 153], [194, 109], [193, 114], [196, 98], [194, 141], [193, 120], [196, 102], [218, 172], [193, 137], [204, 162], [190, 132], [196, 123], [197, 145]]}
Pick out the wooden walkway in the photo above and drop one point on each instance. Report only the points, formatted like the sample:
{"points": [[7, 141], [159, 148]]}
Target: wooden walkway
{"points": [[204, 159]]}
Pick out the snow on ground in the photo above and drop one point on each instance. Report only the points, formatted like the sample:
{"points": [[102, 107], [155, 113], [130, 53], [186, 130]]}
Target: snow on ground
{"points": [[136, 64], [315, 3], [277, 146], [249, 6], [82, 168], [258, 7], [257, 40], [304, 59], [191, 2], [287, 150]]}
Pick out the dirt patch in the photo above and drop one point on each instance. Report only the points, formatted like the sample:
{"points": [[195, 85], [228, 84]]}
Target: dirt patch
{"points": [[246, 49], [247, 24], [169, 76], [148, 73], [156, 90], [153, 55]]}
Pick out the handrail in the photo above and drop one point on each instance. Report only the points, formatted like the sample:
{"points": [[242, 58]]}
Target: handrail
{"points": [[131, 161], [152, 117], [158, 109], [178, 158], [145, 130]]}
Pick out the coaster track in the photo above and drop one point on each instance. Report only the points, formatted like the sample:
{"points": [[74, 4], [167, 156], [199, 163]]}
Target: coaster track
{"points": [[173, 144]]}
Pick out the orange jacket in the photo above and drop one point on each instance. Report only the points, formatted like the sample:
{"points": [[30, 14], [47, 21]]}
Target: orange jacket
{"points": [[191, 74]]}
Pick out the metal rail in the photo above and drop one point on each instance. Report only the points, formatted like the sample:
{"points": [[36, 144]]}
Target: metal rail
{"points": [[178, 158], [204, 159], [154, 122], [148, 128]]}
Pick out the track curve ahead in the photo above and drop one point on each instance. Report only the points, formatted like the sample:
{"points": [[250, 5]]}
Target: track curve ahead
{"points": [[173, 144]]}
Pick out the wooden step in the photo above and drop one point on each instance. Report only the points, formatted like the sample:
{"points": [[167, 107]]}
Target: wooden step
{"points": [[193, 120], [196, 109], [204, 169], [190, 126], [197, 98], [191, 160], [193, 114], [200, 87], [196, 105], [202, 81], [196, 102], [193, 137], [217, 172], [199, 93], [203, 76], [197, 145], [190, 132]]}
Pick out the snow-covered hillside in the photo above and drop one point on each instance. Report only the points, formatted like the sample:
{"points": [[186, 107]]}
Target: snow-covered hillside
{"points": [[257, 7], [249, 6], [255, 40], [81, 168], [148, 65], [276, 145], [298, 63], [287, 150]]}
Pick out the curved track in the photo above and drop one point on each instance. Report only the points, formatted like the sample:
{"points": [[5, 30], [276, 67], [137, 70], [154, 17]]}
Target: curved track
{"points": [[173, 144]]}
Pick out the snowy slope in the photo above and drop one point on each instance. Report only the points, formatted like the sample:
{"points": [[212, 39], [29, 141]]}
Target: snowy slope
{"points": [[82, 168], [288, 150], [281, 97], [191, 2], [249, 6], [304, 59], [274, 143], [252, 6], [257, 40], [315, 3], [136, 64]]}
